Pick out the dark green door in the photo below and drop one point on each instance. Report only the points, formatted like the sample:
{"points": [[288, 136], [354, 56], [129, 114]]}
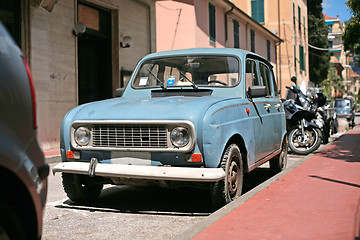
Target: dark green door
{"points": [[94, 54]]}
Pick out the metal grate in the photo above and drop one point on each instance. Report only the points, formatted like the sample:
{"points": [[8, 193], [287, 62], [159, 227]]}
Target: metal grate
{"points": [[152, 136]]}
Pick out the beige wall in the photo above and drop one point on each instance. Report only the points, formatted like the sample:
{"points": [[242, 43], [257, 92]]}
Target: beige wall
{"points": [[53, 55], [278, 17]]}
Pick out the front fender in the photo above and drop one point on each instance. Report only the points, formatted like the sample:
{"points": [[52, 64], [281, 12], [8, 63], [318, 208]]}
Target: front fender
{"points": [[221, 122]]}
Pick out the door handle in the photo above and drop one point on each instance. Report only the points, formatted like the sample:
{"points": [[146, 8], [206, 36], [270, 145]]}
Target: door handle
{"points": [[267, 106]]}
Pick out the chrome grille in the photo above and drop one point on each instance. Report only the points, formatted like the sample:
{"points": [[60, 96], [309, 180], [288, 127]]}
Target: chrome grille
{"points": [[151, 136]]}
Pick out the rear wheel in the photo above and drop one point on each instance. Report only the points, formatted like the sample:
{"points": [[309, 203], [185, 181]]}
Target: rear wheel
{"points": [[278, 163], [10, 224], [80, 188], [306, 144], [225, 191]]}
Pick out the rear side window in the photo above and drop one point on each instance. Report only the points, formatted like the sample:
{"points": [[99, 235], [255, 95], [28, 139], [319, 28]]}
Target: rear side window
{"points": [[265, 78], [251, 76]]}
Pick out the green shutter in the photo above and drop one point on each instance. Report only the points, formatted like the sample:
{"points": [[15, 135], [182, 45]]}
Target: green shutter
{"points": [[236, 34], [257, 10], [212, 29], [299, 17], [252, 40], [294, 14], [302, 59], [295, 58]]}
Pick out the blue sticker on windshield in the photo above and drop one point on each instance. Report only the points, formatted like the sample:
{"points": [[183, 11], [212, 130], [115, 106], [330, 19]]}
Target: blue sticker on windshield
{"points": [[171, 81]]}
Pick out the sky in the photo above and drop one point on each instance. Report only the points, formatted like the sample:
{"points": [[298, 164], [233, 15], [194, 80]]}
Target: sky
{"points": [[333, 8]]}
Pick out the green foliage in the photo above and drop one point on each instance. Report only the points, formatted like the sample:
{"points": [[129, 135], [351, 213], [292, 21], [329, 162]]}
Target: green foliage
{"points": [[351, 36], [319, 61], [333, 81]]}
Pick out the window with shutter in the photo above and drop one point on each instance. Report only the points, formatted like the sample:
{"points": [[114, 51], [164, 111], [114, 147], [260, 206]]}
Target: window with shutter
{"points": [[236, 34], [212, 29], [257, 10]]}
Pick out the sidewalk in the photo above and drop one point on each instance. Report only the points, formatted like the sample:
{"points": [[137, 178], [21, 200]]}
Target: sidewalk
{"points": [[320, 199]]}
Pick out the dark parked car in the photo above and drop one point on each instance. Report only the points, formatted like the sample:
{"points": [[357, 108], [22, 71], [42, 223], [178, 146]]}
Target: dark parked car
{"points": [[345, 108], [23, 172]]}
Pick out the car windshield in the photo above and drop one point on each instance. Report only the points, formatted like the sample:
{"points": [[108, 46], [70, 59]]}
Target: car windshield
{"points": [[188, 71], [342, 103]]}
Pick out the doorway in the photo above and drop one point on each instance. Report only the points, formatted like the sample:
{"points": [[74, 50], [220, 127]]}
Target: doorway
{"points": [[10, 16], [94, 54]]}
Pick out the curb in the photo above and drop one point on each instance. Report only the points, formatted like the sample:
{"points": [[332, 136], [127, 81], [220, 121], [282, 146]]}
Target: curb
{"points": [[53, 159]]}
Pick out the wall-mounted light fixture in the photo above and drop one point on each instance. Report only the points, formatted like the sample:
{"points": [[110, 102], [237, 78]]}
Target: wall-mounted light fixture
{"points": [[79, 29], [125, 42], [47, 4]]}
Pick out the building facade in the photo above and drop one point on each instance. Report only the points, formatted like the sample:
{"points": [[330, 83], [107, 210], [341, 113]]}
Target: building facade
{"points": [[78, 50], [288, 20], [184, 24], [341, 60]]}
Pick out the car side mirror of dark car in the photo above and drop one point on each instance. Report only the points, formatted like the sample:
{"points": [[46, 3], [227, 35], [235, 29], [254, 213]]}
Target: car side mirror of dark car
{"points": [[119, 92], [257, 91]]}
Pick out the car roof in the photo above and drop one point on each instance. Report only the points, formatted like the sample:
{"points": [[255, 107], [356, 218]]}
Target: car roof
{"points": [[204, 51]]}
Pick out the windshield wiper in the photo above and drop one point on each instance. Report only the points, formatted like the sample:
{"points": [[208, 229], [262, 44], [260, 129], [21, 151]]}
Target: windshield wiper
{"points": [[157, 79], [184, 76]]}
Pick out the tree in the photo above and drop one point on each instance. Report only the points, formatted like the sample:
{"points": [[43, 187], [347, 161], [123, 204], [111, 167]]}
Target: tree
{"points": [[333, 81], [351, 36], [319, 61]]}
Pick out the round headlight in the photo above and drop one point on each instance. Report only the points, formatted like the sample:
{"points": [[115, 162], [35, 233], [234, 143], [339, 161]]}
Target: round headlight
{"points": [[82, 136], [180, 136]]}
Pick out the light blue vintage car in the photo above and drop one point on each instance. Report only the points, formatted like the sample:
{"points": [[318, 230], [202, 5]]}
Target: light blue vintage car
{"points": [[195, 117]]}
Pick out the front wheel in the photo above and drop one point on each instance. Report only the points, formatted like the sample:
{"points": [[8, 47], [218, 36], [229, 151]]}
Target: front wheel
{"points": [[80, 189], [225, 191], [304, 144]]}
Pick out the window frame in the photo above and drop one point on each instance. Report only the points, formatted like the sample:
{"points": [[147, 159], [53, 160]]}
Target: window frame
{"points": [[269, 88]]}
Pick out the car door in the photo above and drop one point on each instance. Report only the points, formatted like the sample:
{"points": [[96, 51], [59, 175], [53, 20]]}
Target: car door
{"points": [[257, 105], [272, 111]]}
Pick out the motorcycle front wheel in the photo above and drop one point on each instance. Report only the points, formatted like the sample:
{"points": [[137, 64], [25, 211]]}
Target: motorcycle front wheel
{"points": [[306, 144]]}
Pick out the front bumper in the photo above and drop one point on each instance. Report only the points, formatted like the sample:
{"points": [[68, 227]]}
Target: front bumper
{"points": [[142, 172]]}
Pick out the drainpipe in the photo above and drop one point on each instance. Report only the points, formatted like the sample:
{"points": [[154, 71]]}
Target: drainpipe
{"points": [[279, 64], [226, 26]]}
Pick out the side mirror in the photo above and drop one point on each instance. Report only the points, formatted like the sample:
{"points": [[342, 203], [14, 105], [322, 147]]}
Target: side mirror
{"points": [[119, 92], [257, 91]]}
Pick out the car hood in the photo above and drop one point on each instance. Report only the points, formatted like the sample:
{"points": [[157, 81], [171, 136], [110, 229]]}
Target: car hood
{"points": [[164, 108]]}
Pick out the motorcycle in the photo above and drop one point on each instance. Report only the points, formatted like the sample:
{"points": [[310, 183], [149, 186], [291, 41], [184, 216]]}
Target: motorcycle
{"points": [[304, 135]]}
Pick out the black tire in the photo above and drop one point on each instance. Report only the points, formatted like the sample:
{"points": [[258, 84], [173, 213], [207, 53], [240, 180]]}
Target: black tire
{"points": [[225, 191], [10, 224], [302, 148], [279, 163], [79, 189], [325, 134]]}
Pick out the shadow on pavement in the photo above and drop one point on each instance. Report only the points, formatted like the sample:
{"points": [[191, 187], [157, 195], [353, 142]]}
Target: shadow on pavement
{"points": [[161, 201], [344, 148], [335, 181]]}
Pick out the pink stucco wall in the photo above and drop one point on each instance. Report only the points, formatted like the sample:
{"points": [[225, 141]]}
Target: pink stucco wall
{"points": [[185, 24]]}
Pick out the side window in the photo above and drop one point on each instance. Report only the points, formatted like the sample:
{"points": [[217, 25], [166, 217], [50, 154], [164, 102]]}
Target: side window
{"points": [[265, 78], [251, 74], [274, 84]]}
